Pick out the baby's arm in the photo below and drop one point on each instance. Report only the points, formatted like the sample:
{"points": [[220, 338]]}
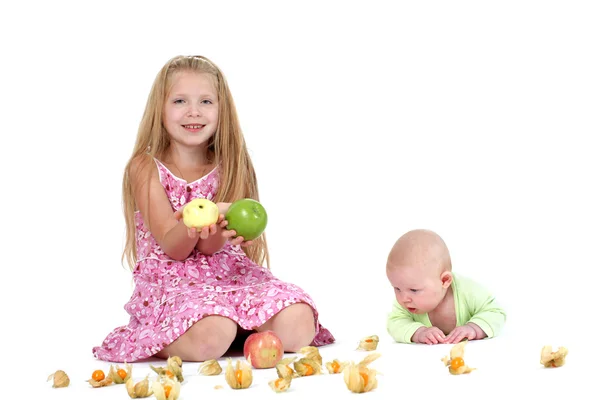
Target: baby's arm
{"points": [[401, 325], [151, 200], [487, 315]]}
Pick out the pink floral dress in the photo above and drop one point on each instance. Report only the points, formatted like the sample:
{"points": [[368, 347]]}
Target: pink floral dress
{"points": [[170, 296]]}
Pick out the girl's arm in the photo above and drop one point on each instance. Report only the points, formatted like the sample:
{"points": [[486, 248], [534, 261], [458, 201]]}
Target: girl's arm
{"points": [[151, 200], [215, 242]]}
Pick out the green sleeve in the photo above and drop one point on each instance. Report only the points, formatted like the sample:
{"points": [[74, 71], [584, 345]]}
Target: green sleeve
{"points": [[401, 324], [485, 311]]}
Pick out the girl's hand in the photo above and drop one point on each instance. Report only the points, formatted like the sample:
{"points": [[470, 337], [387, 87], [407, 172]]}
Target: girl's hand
{"points": [[205, 231], [223, 207], [236, 240], [231, 236]]}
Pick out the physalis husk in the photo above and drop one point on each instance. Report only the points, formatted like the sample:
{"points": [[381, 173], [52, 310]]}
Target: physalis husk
{"points": [[61, 379], [281, 384], [210, 367], [456, 363], [120, 375], [166, 389], [285, 370], [368, 343], [359, 378], [239, 377], [335, 366], [553, 359], [99, 379], [312, 353], [138, 390], [172, 371], [307, 367]]}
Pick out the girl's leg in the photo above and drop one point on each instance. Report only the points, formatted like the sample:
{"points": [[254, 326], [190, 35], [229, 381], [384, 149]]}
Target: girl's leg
{"points": [[294, 325], [207, 339]]}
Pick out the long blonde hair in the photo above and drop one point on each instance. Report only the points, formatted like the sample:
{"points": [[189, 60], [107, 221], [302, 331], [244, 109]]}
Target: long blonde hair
{"points": [[237, 178]]}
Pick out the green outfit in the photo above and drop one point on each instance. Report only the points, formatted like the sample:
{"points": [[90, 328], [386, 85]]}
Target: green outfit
{"points": [[472, 303]]}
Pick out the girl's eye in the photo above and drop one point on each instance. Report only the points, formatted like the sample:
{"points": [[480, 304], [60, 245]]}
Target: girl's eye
{"points": [[414, 290], [397, 289], [178, 101], [207, 102]]}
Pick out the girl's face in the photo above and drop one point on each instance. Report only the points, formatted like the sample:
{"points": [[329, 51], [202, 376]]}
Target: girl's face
{"points": [[191, 111]]}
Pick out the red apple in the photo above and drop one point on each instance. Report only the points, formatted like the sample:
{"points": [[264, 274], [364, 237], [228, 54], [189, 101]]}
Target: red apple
{"points": [[263, 349]]}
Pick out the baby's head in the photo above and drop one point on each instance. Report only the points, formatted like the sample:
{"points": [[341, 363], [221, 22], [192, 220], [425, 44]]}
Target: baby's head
{"points": [[419, 269]]}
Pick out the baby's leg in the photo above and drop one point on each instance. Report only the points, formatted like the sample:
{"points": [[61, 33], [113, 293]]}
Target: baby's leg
{"points": [[207, 339], [294, 325]]}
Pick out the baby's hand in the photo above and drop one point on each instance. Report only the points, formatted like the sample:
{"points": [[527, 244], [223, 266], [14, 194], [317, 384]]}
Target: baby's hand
{"points": [[461, 332], [431, 335]]}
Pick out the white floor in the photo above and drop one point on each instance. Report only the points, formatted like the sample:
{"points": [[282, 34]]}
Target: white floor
{"points": [[475, 119], [506, 365]]}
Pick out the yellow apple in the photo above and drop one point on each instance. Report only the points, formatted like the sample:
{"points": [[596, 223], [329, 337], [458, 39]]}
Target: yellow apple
{"points": [[199, 213]]}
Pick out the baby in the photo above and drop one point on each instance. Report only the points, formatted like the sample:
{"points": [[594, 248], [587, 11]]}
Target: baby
{"points": [[433, 304]]}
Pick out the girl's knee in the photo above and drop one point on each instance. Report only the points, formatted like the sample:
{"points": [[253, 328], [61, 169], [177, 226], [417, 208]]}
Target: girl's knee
{"points": [[210, 347], [211, 337], [305, 325], [295, 326], [303, 314]]}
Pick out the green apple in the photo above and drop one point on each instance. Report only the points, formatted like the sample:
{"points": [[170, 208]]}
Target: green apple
{"points": [[199, 213], [247, 217]]}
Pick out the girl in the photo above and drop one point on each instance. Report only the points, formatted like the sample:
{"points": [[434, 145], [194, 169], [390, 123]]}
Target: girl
{"points": [[195, 291]]}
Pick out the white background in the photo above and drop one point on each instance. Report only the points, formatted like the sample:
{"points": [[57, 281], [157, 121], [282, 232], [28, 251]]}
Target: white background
{"points": [[477, 120]]}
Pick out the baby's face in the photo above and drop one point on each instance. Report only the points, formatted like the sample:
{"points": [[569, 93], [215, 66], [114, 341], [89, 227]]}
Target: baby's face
{"points": [[419, 290]]}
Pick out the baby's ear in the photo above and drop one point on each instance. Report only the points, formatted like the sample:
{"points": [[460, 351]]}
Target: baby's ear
{"points": [[446, 279]]}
